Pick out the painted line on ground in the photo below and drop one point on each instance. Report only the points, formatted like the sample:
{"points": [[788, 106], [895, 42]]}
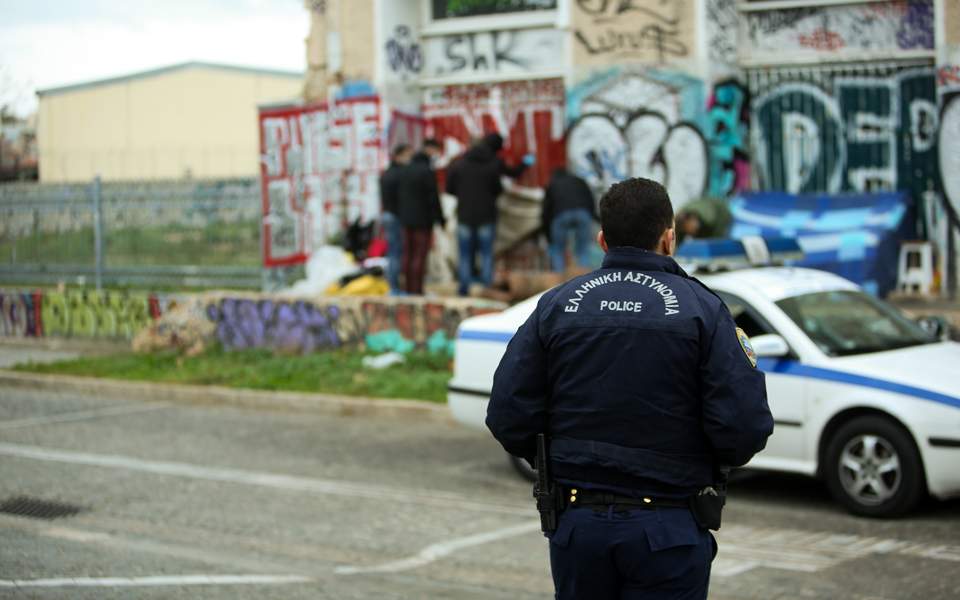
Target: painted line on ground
{"points": [[434, 498], [82, 415], [156, 581], [437, 551]]}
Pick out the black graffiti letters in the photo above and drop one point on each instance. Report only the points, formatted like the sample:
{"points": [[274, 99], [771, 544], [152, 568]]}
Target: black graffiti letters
{"points": [[662, 40], [403, 53], [614, 8], [471, 52]]}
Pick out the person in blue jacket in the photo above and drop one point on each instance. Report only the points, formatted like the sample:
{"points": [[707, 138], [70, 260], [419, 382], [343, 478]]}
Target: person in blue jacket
{"points": [[644, 385]]}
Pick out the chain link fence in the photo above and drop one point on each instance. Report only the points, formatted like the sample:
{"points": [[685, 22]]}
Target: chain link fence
{"points": [[158, 234]]}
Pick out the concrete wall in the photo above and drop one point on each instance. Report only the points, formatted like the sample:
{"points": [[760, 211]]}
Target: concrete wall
{"points": [[194, 121]]}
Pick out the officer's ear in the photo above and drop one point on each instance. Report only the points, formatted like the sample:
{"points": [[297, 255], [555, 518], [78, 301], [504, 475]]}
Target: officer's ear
{"points": [[668, 242], [602, 242]]}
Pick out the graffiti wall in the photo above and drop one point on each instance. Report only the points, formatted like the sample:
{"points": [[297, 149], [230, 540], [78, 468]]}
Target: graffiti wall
{"points": [[662, 125], [870, 129], [379, 325], [494, 53], [528, 114], [320, 166], [78, 314], [844, 29], [606, 32]]}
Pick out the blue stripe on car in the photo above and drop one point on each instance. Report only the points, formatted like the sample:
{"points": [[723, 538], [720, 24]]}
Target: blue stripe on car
{"points": [[792, 367], [486, 336], [785, 367]]}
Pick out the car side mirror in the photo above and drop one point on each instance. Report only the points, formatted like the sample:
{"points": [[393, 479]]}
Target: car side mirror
{"points": [[770, 345], [937, 326]]}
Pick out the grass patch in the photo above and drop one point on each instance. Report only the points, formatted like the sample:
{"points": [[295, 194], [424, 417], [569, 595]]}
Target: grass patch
{"points": [[218, 244], [422, 377]]}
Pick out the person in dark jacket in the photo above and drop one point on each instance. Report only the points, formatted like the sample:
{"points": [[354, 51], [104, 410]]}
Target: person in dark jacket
{"points": [[568, 208], [644, 385], [474, 179], [418, 208], [389, 200]]}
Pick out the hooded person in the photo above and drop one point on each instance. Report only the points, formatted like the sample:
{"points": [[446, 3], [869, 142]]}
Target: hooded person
{"points": [[418, 209], [474, 179]]}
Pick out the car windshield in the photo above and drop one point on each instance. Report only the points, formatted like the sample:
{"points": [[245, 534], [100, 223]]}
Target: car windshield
{"points": [[843, 323]]}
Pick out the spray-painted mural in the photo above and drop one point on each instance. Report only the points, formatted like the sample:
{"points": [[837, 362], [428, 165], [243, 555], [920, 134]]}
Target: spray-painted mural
{"points": [[836, 131], [78, 314], [388, 324], [494, 53], [659, 124], [528, 114], [319, 169], [949, 137], [833, 30]]}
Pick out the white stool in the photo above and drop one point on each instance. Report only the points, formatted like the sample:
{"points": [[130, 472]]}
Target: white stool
{"points": [[915, 270]]}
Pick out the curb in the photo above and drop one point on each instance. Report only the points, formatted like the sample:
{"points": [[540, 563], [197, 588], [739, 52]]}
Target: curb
{"points": [[325, 404]]}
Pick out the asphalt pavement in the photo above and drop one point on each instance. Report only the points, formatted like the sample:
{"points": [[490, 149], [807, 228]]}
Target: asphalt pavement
{"points": [[181, 501]]}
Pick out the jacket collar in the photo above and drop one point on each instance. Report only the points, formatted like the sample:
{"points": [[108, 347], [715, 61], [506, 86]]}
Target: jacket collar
{"points": [[627, 257]]}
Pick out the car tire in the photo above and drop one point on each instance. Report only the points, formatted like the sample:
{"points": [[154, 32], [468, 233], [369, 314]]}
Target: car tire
{"points": [[873, 468], [524, 469]]}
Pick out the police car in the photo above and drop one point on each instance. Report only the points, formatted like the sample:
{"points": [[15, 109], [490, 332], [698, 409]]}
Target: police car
{"points": [[862, 397]]}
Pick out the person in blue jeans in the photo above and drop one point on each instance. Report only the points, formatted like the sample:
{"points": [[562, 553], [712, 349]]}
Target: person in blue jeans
{"points": [[474, 179], [569, 210], [392, 228]]}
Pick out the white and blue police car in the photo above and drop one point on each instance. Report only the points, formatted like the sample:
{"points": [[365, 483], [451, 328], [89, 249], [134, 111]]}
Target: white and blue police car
{"points": [[862, 397]]}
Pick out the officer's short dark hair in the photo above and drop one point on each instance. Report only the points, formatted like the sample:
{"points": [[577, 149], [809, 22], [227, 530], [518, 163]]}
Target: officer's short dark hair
{"points": [[635, 212]]}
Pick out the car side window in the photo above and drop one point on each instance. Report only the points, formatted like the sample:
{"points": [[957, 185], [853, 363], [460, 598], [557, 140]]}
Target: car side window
{"points": [[745, 316]]}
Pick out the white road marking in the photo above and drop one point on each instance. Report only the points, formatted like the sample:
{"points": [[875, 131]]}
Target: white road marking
{"points": [[433, 498], [158, 581], [437, 551], [82, 415], [743, 548]]}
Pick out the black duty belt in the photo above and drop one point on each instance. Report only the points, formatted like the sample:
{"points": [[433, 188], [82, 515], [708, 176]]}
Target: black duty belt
{"points": [[578, 497]]}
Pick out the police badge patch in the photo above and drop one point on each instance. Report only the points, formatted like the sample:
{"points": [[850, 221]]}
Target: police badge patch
{"points": [[747, 347]]}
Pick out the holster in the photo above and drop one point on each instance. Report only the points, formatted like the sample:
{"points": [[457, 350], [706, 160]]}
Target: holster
{"points": [[707, 507]]}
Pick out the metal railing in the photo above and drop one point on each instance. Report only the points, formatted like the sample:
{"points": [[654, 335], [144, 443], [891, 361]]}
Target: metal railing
{"points": [[170, 234]]}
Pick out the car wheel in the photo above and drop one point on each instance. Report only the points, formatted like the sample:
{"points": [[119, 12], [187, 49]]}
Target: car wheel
{"points": [[873, 468], [521, 466]]}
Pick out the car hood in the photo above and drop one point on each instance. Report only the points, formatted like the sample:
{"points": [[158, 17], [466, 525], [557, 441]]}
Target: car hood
{"points": [[932, 367]]}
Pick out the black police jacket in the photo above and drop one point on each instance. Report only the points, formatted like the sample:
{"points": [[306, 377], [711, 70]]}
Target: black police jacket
{"points": [[637, 374]]}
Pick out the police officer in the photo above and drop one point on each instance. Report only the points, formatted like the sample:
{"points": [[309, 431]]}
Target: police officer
{"points": [[640, 378]]}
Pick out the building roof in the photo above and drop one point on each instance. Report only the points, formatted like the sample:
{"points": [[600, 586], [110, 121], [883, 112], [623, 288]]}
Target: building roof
{"points": [[169, 69]]}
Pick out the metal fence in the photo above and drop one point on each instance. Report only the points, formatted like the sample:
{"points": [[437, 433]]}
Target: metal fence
{"points": [[158, 234]]}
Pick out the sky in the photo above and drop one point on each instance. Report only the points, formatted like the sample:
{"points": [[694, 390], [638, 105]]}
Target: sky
{"points": [[51, 43]]}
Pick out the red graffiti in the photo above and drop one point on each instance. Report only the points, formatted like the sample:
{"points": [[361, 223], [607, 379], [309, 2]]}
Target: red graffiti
{"points": [[948, 75], [822, 39], [528, 114]]}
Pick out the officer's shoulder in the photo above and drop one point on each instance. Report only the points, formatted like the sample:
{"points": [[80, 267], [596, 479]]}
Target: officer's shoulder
{"points": [[706, 295], [557, 292]]}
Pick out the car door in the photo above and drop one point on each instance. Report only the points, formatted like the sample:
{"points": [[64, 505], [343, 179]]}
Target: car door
{"points": [[786, 395]]}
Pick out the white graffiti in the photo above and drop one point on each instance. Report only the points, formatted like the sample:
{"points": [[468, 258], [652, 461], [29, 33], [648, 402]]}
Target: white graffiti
{"points": [[649, 146], [950, 150], [320, 169]]}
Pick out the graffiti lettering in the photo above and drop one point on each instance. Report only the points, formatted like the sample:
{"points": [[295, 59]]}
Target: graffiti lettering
{"points": [[501, 52], [319, 170], [727, 135], [604, 28], [302, 326], [403, 52], [84, 314], [880, 26], [808, 140], [528, 114], [950, 149]]}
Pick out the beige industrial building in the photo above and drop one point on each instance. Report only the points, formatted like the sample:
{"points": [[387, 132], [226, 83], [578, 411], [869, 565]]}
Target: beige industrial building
{"points": [[188, 120]]}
